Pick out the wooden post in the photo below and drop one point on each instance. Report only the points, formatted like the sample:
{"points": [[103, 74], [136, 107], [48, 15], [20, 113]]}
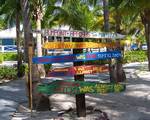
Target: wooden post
{"points": [[30, 53], [80, 99]]}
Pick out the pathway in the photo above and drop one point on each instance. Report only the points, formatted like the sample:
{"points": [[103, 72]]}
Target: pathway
{"points": [[133, 104], [11, 94]]}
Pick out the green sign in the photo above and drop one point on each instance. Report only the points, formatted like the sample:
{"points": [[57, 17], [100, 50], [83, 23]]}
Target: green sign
{"points": [[80, 87]]}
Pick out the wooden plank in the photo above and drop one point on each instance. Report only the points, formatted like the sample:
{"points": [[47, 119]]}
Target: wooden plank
{"points": [[79, 34], [77, 57], [77, 70], [80, 87], [77, 45]]}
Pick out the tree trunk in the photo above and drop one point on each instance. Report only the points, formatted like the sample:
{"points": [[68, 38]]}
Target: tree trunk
{"points": [[26, 25], [106, 15], [80, 99], [106, 29], [28, 37], [39, 47], [18, 42], [39, 38], [146, 22], [147, 36], [120, 73]]}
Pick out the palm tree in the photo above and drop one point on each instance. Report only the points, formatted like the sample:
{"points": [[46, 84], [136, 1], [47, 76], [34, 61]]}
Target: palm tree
{"points": [[78, 16], [142, 8], [26, 26], [10, 9], [40, 102], [40, 9], [120, 74]]}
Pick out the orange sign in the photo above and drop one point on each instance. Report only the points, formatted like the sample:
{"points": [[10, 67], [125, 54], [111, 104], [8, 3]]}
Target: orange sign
{"points": [[77, 45]]}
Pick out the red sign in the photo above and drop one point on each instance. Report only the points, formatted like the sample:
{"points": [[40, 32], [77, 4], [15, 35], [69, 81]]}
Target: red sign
{"points": [[78, 70]]}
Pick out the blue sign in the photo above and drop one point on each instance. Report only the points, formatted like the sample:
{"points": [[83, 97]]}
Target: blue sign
{"points": [[77, 57]]}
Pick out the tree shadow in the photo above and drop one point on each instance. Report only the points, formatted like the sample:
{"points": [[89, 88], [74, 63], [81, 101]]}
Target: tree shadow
{"points": [[133, 104]]}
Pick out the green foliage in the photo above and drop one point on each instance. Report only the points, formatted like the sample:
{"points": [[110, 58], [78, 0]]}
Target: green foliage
{"points": [[2, 24], [47, 67], [135, 56], [23, 69], [9, 9], [8, 72], [1, 58], [97, 62], [78, 15], [9, 56]]}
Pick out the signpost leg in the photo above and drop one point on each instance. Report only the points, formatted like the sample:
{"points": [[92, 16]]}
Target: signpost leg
{"points": [[80, 99]]}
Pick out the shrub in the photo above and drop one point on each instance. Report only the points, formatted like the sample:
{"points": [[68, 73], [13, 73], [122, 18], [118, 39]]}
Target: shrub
{"points": [[47, 67], [10, 56], [96, 62], [22, 70], [1, 58], [8, 72], [135, 56]]}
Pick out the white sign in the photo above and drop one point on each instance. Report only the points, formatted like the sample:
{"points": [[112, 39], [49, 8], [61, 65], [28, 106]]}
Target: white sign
{"points": [[80, 34]]}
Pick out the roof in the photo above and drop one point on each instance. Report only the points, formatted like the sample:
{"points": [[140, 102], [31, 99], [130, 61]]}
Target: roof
{"points": [[8, 33]]}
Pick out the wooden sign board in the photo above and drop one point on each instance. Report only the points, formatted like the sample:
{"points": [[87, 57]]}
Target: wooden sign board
{"points": [[77, 70], [77, 45], [77, 57], [79, 34], [80, 87]]}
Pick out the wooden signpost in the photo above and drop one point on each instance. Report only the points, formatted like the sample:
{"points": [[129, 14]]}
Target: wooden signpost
{"points": [[77, 45], [80, 87], [77, 70], [77, 57]]}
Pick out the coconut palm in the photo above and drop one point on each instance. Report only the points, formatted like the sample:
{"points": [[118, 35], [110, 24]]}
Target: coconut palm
{"points": [[75, 14], [40, 102], [142, 8], [38, 8]]}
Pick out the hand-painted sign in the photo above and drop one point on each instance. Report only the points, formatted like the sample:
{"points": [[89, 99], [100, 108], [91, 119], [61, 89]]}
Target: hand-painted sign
{"points": [[77, 70], [80, 34], [77, 45], [77, 57], [79, 87]]}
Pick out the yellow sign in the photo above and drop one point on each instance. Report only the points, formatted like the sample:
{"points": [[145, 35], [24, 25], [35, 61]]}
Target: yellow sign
{"points": [[77, 45]]}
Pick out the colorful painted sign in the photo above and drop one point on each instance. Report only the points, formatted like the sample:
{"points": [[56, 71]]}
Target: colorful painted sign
{"points": [[77, 45], [80, 87], [77, 57], [79, 34], [77, 70]]}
